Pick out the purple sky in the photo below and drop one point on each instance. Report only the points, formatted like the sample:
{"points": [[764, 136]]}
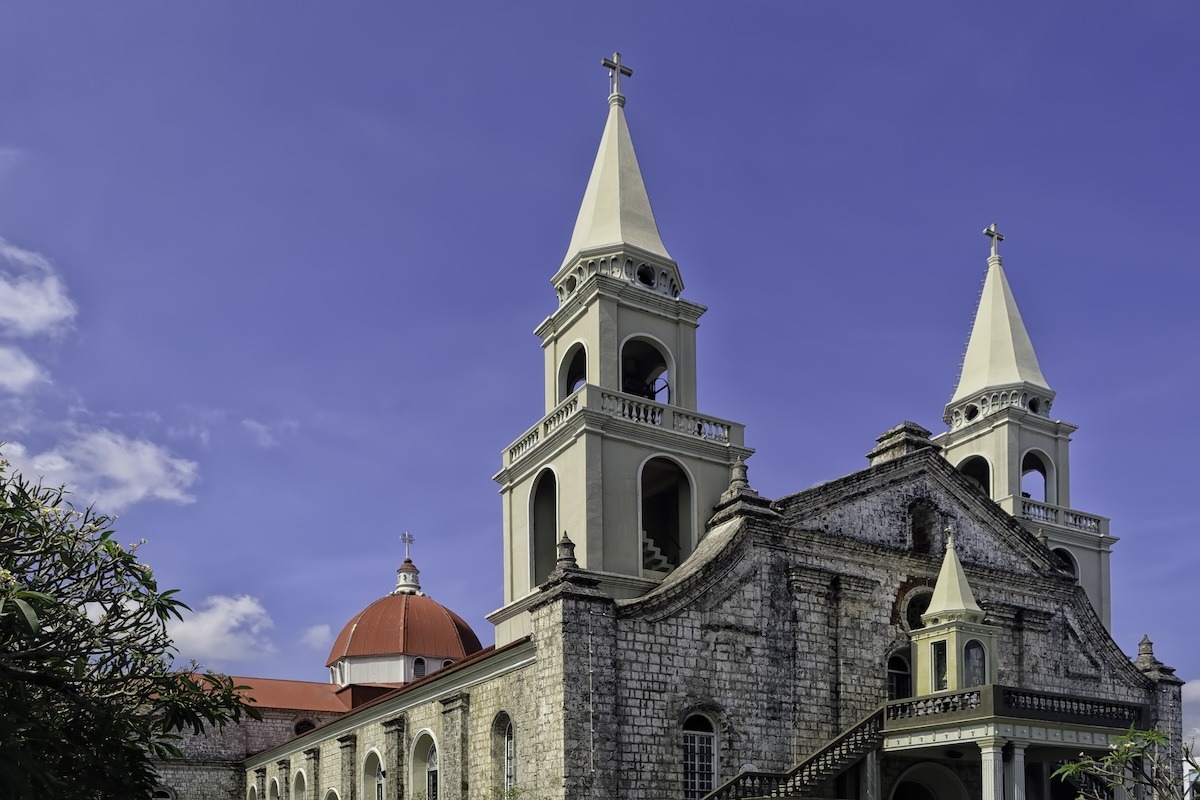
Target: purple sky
{"points": [[271, 270]]}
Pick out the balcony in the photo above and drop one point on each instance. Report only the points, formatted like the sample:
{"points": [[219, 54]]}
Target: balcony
{"points": [[988, 702], [631, 408]]}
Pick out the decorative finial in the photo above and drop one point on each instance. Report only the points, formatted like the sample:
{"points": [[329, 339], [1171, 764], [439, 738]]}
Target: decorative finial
{"points": [[566, 553], [615, 70], [408, 539], [996, 236]]}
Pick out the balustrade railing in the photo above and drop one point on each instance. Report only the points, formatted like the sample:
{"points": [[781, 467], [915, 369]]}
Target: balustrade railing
{"points": [[1006, 701], [1057, 515], [629, 407]]}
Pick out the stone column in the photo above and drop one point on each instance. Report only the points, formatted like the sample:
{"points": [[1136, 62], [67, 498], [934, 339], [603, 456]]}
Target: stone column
{"points": [[394, 761], [260, 782], [868, 784], [1015, 773], [992, 756], [312, 772], [284, 767], [348, 745], [452, 755]]}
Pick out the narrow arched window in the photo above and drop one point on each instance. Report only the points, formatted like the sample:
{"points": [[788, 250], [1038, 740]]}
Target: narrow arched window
{"points": [[299, 787], [923, 519], [1033, 478], [974, 664], [699, 757], [573, 373], [543, 522], [940, 666], [418, 668], [510, 759]]}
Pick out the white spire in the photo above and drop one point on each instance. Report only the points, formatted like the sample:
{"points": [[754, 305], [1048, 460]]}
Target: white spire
{"points": [[952, 597], [999, 352], [616, 209]]}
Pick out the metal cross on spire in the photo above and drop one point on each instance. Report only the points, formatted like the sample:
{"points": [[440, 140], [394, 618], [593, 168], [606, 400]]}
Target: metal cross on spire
{"points": [[996, 236], [615, 70], [408, 539]]}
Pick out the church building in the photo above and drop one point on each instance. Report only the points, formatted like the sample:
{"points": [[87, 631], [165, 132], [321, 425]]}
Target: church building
{"points": [[932, 627]]}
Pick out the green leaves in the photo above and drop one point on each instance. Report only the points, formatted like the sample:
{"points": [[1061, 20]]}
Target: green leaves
{"points": [[87, 695]]}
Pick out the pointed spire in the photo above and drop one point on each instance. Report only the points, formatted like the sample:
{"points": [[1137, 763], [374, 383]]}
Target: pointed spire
{"points": [[999, 352], [952, 597], [616, 209]]}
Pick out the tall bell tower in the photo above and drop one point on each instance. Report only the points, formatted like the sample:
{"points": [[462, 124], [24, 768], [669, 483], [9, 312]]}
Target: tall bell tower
{"points": [[1003, 437], [622, 462]]}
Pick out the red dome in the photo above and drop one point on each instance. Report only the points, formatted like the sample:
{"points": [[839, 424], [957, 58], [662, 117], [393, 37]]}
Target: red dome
{"points": [[411, 624]]}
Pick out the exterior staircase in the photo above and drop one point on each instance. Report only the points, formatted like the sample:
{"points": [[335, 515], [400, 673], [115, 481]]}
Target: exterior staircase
{"points": [[824, 765]]}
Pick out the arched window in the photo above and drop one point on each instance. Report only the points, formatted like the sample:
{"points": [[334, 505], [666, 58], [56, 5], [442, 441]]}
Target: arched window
{"points": [[418, 668], [917, 605], [1033, 477], [303, 726], [544, 524], [273, 789], [504, 754], [447, 663], [163, 793], [644, 371], [510, 758], [252, 792], [899, 677], [299, 787], [923, 520], [572, 372], [1067, 561], [940, 666], [666, 516], [977, 469], [975, 669], [699, 757]]}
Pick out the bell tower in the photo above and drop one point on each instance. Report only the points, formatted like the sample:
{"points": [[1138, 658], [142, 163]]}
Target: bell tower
{"points": [[622, 462], [1003, 437]]}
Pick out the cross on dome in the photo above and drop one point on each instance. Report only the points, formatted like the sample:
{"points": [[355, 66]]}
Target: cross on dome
{"points": [[408, 539], [615, 70], [996, 236], [408, 576]]}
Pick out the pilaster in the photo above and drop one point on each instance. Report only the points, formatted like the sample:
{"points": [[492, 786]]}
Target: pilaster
{"points": [[452, 754], [312, 771], [348, 752], [393, 758], [284, 768]]}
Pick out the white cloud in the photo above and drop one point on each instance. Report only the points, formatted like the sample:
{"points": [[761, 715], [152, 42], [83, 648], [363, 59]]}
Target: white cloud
{"points": [[318, 637], [1191, 711], [33, 300], [109, 469], [224, 629], [266, 434], [18, 372]]}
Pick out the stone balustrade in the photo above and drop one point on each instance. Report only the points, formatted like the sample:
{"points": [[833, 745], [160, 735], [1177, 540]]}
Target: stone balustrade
{"points": [[1065, 517], [629, 407], [982, 702]]}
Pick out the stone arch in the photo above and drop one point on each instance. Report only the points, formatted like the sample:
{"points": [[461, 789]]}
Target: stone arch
{"points": [[164, 793], [665, 514], [331, 794], [572, 370], [372, 776], [978, 470], [646, 368], [424, 765], [543, 526], [252, 792], [299, 786], [915, 604], [273, 789], [928, 781], [1037, 477]]}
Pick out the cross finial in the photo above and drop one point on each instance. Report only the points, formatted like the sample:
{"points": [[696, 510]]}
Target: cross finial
{"points": [[408, 539], [996, 236], [615, 70]]}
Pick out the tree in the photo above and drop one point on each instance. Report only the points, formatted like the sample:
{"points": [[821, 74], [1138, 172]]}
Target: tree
{"points": [[88, 696], [1140, 762]]}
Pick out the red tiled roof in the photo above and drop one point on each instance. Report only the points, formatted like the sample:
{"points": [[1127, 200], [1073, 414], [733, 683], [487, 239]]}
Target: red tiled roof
{"points": [[297, 695], [413, 624]]}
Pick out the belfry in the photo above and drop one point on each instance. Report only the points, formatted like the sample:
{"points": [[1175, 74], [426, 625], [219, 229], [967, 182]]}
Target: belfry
{"points": [[622, 462]]}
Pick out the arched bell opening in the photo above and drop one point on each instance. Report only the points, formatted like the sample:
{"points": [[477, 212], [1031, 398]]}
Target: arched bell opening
{"points": [[1036, 470], [978, 470], [645, 371], [1067, 561], [665, 494], [572, 373], [543, 526]]}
